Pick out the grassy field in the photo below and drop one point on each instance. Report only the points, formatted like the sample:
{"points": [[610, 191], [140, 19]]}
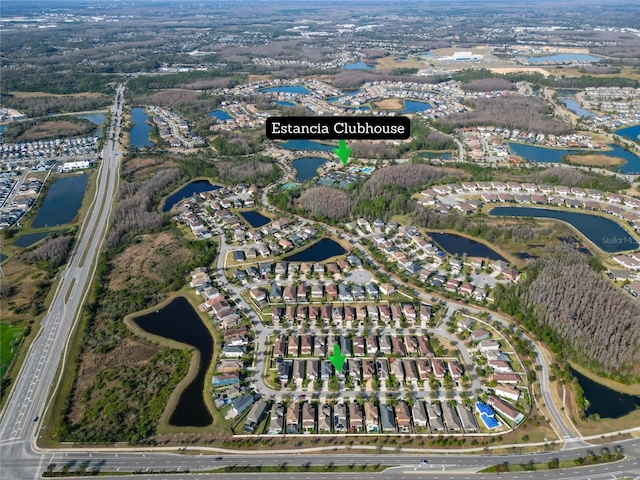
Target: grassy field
{"points": [[594, 160], [9, 340], [388, 104]]}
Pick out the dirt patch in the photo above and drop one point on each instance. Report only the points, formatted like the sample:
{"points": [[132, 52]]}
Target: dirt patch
{"points": [[389, 104], [258, 78], [142, 260], [503, 70], [128, 354], [594, 160], [392, 62]]}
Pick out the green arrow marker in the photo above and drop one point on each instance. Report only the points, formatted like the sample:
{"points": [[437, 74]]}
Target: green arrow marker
{"points": [[338, 359], [343, 152]]}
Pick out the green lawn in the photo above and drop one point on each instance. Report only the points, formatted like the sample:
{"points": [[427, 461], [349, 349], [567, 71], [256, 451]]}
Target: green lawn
{"points": [[9, 341]]}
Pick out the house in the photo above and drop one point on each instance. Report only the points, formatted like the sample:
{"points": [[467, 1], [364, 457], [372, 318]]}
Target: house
{"points": [[275, 292], [332, 291], [397, 346], [340, 417], [349, 313], [324, 419], [382, 369], [500, 366], [385, 313], [371, 416], [255, 416], [225, 379], [238, 256], [508, 392], [505, 410], [281, 268], [314, 313], [358, 346], [372, 313], [411, 344], [508, 378], [419, 414], [233, 351], [467, 418], [293, 346], [289, 295], [290, 313], [368, 369], [228, 366], [479, 335], [396, 312], [372, 345], [396, 369], [424, 347], [301, 293], [357, 292], [317, 292], [387, 289], [388, 419], [489, 346], [409, 312], [425, 312], [258, 294], [511, 274], [435, 417], [293, 418], [451, 418], [279, 346], [306, 344], [345, 346], [319, 346], [353, 367], [356, 422], [298, 369], [344, 292], [452, 285], [337, 314], [276, 423], [455, 369], [439, 369], [239, 405], [385, 344], [325, 312], [308, 417], [424, 368], [410, 370], [372, 290], [498, 265]]}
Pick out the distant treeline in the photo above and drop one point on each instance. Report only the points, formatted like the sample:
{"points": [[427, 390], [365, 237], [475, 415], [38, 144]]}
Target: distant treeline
{"points": [[42, 106]]}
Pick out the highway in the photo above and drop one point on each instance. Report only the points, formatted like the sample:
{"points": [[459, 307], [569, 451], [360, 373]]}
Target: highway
{"points": [[27, 400]]}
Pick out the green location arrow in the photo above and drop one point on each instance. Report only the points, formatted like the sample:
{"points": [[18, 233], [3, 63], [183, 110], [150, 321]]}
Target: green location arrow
{"points": [[343, 152], [338, 359]]}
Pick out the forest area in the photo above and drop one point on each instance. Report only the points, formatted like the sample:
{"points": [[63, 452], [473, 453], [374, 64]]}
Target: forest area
{"points": [[566, 303]]}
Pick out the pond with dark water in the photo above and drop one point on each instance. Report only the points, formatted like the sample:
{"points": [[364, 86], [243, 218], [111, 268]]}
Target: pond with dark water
{"points": [[255, 219], [606, 234], [62, 202], [307, 145], [533, 153], [563, 57], [603, 401], [357, 66], [318, 252], [139, 134], [459, 245], [220, 115], [25, 241], [632, 133], [178, 321], [189, 190], [299, 89], [307, 167]]}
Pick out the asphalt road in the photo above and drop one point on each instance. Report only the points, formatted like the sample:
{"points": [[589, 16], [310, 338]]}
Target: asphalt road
{"points": [[27, 400]]}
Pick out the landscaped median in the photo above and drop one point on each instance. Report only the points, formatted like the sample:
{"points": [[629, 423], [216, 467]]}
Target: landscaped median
{"points": [[284, 468], [555, 464]]}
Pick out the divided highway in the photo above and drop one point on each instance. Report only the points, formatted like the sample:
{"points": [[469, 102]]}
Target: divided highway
{"points": [[19, 422]]}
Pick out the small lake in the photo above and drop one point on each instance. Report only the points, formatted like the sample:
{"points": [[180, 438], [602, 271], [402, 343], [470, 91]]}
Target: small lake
{"points": [[189, 190], [459, 245], [442, 155], [411, 106], [606, 234], [25, 241], [220, 115], [563, 57], [307, 145], [178, 321], [357, 66], [632, 133], [284, 103], [575, 107], [307, 167], [299, 89], [2, 128], [533, 153], [96, 118], [62, 202], [318, 252], [3, 257], [139, 134], [255, 219], [603, 401]]}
